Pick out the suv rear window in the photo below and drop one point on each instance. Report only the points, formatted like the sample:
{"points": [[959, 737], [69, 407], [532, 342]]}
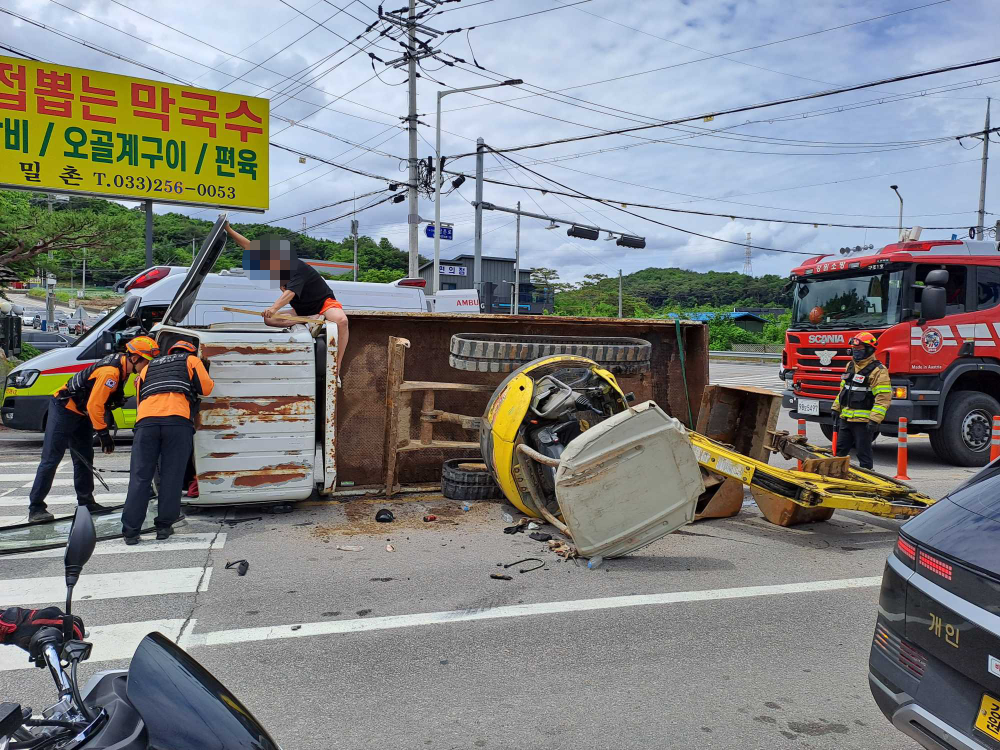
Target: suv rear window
{"points": [[981, 494]]}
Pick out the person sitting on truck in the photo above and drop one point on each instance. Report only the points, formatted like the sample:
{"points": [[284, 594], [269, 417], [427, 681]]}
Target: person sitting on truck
{"points": [[301, 287], [864, 398], [166, 393], [78, 410]]}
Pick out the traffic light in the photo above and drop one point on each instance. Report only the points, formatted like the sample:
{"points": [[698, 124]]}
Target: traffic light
{"points": [[583, 233], [627, 240]]}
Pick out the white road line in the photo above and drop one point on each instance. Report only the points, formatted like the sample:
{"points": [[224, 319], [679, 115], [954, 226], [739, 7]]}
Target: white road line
{"points": [[14, 520], [28, 592], [117, 547], [110, 642], [103, 498], [67, 482], [64, 466], [244, 635]]}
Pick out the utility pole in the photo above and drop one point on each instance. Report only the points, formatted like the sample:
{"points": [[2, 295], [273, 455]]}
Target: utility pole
{"points": [[619, 292], [49, 197], [515, 308], [354, 231], [477, 266], [982, 179], [747, 259], [83, 276], [411, 126], [149, 233]]}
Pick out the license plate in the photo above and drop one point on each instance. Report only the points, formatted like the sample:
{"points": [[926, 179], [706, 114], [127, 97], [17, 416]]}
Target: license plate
{"points": [[988, 720], [808, 406]]}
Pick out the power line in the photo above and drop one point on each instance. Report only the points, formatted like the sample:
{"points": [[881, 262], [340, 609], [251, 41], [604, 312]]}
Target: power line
{"points": [[339, 166], [744, 49], [525, 15], [751, 107], [609, 201], [328, 205]]}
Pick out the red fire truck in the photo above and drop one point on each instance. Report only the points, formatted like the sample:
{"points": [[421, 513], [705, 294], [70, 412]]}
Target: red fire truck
{"points": [[935, 308]]}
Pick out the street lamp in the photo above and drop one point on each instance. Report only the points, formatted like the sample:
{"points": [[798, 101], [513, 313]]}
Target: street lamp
{"points": [[440, 172], [895, 189]]}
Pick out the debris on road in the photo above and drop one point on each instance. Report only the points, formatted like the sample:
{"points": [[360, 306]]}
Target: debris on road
{"points": [[501, 577], [541, 564], [389, 548], [385, 516], [241, 570], [540, 537], [533, 526], [349, 548], [507, 518], [234, 521], [519, 527], [429, 518], [563, 549]]}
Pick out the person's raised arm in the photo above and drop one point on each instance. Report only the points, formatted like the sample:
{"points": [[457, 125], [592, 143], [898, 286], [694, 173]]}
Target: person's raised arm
{"points": [[238, 238]]}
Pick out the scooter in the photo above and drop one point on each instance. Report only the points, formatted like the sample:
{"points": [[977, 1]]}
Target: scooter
{"points": [[165, 699]]}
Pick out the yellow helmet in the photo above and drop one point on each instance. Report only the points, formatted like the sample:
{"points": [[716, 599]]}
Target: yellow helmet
{"points": [[143, 346]]}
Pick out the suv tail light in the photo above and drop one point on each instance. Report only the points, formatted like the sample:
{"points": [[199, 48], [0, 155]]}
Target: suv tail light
{"points": [[906, 551], [412, 282], [147, 278], [935, 565]]}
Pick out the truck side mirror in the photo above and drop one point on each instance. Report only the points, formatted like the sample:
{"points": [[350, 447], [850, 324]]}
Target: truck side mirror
{"points": [[937, 277], [933, 301], [132, 305], [108, 341]]}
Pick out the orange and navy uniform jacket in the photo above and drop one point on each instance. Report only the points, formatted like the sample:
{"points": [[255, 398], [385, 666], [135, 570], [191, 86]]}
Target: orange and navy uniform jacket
{"points": [[162, 405], [106, 380]]}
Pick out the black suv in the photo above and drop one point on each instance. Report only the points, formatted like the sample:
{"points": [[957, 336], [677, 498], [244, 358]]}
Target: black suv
{"points": [[934, 667]]}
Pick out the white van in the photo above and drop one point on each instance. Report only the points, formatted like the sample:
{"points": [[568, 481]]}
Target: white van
{"points": [[29, 386]]}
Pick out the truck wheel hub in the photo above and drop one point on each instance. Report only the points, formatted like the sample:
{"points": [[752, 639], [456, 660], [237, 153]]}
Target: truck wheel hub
{"points": [[976, 430]]}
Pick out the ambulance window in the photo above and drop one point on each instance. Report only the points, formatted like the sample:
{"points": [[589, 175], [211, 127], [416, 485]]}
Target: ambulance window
{"points": [[955, 290], [988, 286]]}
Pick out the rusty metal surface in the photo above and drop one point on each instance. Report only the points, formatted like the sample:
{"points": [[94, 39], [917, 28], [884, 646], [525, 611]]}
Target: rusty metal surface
{"points": [[361, 420], [744, 418], [256, 432]]}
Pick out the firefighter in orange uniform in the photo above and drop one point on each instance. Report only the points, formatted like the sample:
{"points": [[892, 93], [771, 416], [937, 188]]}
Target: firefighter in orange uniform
{"points": [[77, 410], [167, 392]]}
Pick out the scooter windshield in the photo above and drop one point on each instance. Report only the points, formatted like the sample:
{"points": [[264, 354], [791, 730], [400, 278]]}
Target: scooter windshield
{"points": [[184, 707]]}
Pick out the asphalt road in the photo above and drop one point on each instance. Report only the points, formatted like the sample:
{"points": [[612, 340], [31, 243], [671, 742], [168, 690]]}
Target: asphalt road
{"points": [[728, 633]]}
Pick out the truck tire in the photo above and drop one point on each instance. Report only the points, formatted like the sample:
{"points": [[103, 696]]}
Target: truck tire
{"points": [[827, 430], [963, 437], [467, 471], [455, 491], [483, 352]]}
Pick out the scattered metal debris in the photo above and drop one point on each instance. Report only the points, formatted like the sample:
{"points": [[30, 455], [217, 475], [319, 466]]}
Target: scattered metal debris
{"points": [[541, 564], [501, 577], [242, 566]]}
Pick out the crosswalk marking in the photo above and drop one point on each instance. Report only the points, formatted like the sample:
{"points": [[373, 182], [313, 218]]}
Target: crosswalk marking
{"points": [[117, 547], [29, 592], [113, 498], [58, 481], [14, 520], [110, 642]]}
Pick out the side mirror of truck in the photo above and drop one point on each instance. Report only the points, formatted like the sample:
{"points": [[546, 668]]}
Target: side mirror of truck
{"points": [[937, 277], [108, 341], [933, 301], [132, 305]]}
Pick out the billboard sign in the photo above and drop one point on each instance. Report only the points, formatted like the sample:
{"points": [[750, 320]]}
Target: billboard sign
{"points": [[77, 131]]}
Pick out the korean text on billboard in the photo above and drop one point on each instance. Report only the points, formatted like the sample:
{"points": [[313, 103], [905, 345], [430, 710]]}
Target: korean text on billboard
{"points": [[70, 130]]}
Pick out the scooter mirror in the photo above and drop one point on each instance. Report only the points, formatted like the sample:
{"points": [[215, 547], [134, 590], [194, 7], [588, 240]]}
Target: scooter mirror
{"points": [[79, 548]]}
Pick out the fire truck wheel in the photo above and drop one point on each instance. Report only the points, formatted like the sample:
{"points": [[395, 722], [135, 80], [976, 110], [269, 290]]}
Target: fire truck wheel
{"points": [[963, 437]]}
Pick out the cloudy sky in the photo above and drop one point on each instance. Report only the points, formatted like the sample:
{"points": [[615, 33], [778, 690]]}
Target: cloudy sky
{"points": [[588, 67]]}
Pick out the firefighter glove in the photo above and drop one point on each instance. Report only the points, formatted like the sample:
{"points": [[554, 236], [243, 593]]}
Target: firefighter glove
{"points": [[107, 444], [872, 428], [18, 625]]}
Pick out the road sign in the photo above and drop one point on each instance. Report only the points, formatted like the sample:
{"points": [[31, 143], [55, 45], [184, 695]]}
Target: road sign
{"points": [[447, 231], [77, 131]]}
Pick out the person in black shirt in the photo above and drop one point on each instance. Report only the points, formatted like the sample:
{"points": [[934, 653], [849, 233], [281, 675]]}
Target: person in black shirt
{"points": [[301, 286]]}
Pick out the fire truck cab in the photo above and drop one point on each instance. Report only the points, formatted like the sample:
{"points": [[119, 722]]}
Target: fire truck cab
{"points": [[935, 308]]}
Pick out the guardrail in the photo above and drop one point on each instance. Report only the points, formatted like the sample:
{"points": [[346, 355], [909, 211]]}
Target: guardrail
{"points": [[745, 355]]}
